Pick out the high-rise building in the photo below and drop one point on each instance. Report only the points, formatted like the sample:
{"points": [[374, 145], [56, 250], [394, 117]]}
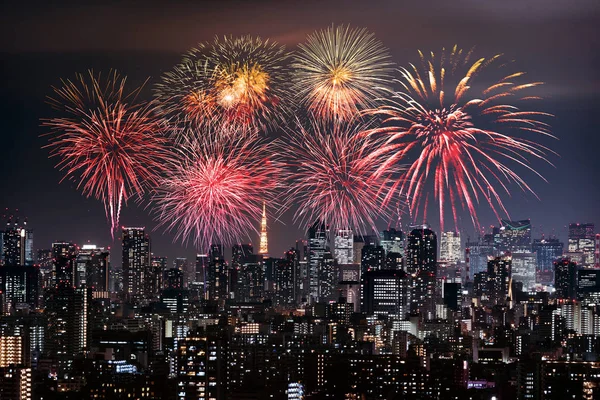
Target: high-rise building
{"points": [[499, 275], [344, 246], [450, 249], [547, 251], [216, 284], [19, 285], [17, 243], [317, 245], [392, 241], [137, 265], [67, 334], [202, 262], [386, 292], [174, 279], [159, 266], [565, 279], [582, 239], [479, 252], [11, 350], [421, 251], [284, 279], [524, 266], [92, 268], [264, 243], [64, 254], [514, 236]]}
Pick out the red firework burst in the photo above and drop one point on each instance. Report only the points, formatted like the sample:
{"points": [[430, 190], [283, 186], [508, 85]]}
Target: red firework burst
{"points": [[338, 177], [109, 143], [462, 137], [215, 187]]}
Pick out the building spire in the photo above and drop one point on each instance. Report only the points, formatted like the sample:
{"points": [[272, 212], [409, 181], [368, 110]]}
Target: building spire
{"points": [[264, 244]]}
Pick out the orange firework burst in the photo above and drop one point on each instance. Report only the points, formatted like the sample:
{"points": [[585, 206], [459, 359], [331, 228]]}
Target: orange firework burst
{"points": [[340, 71], [108, 142], [460, 136], [230, 82]]}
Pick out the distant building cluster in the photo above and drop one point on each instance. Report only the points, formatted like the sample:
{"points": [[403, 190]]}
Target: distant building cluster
{"points": [[412, 314]]}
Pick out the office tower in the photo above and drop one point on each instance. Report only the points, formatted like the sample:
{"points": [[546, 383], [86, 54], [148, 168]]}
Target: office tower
{"points": [[588, 282], [357, 249], [174, 278], [264, 243], [159, 266], [15, 382], [565, 279], [45, 259], [372, 258], [92, 268], [64, 254], [392, 241], [217, 274], [17, 243], [68, 312], [344, 246], [582, 239], [479, 252], [422, 294], [327, 277], [499, 275], [137, 269], [177, 301], [421, 251], [317, 244], [386, 293], [597, 251], [524, 266], [252, 276], [19, 285], [202, 262], [303, 271], [547, 251], [284, 279], [514, 236], [450, 249]]}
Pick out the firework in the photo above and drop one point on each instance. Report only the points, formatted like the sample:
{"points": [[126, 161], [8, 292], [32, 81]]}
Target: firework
{"points": [[230, 82], [340, 71], [107, 142], [462, 135], [215, 188], [339, 178]]}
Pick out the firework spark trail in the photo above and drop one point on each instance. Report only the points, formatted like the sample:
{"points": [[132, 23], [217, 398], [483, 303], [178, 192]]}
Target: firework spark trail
{"points": [[215, 187], [465, 141], [339, 177], [340, 71], [236, 82], [108, 142]]}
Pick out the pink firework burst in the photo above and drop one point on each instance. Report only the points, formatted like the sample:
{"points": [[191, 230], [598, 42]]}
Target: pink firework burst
{"points": [[215, 187], [339, 177], [109, 143], [461, 136]]}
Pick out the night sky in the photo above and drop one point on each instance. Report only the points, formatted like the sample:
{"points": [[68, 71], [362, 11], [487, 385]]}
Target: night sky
{"points": [[555, 41]]}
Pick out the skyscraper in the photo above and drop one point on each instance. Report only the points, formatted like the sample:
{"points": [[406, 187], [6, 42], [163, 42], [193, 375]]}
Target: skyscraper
{"points": [[499, 275], [317, 244], [479, 252], [217, 274], [514, 236], [64, 254], [565, 279], [524, 266], [92, 268], [17, 243], [386, 293], [158, 266], [547, 251], [137, 265], [582, 239], [264, 243], [392, 241], [450, 249], [421, 251], [344, 246]]}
